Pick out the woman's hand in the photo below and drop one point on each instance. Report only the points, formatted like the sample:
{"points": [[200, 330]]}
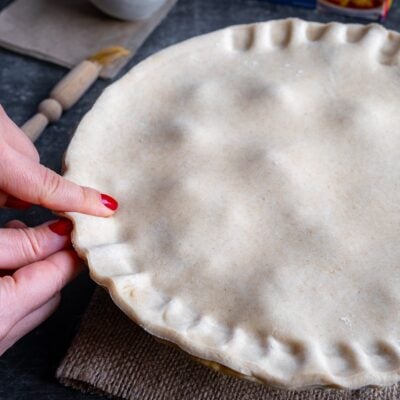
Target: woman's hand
{"points": [[23, 178], [36, 263]]}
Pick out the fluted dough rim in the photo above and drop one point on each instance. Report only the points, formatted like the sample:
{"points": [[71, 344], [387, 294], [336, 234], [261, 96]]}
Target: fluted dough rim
{"points": [[310, 364]]}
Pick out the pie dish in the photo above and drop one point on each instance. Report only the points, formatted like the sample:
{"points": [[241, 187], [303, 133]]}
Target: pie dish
{"points": [[257, 170]]}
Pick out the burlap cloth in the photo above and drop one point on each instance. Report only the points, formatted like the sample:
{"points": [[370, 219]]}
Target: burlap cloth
{"points": [[112, 355]]}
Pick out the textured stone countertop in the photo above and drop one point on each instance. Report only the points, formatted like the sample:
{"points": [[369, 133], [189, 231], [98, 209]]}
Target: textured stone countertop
{"points": [[27, 370]]}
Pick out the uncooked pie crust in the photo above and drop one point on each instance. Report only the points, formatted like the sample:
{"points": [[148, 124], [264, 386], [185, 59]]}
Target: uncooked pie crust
{"points": [[258, 174]]}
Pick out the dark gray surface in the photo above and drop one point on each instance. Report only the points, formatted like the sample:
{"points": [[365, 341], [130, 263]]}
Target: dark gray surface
{"points": [[27, 370]]}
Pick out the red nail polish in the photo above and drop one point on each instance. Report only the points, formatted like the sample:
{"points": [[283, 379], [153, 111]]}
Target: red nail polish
{"points": [[13, 202], [109, 202], [63, 227]]}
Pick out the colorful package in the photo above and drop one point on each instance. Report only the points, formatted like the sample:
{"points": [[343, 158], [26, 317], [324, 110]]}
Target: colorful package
{"points": [[368, 9]]}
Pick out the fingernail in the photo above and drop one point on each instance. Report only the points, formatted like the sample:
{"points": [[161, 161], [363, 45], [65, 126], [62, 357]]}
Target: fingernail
{"points": [[63, 227], [109, 202], [13, 202]]}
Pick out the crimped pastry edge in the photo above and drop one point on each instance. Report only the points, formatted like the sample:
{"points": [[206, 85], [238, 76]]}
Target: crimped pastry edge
{"points": [[314, 369]]}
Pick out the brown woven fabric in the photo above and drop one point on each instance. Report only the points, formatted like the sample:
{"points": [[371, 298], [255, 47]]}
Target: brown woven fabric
{"points": [[113, 356]]}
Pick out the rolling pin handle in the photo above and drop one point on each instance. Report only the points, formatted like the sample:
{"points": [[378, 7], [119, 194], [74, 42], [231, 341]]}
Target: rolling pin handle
{"points": [[35, 126], [51, 108], [64, 95]]}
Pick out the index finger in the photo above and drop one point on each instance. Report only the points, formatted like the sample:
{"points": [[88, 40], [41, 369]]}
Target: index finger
{"points": [[32, 182]]}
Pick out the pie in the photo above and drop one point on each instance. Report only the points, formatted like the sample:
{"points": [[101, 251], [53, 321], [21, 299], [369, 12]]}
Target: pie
{"points": [[258, 174]]}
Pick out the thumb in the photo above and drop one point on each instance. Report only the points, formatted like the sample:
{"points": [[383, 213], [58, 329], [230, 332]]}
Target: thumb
{"points": [[30, 181], [22, 245]]}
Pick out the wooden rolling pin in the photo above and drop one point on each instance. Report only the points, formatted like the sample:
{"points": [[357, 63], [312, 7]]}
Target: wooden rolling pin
{"points": [[70, 89]]}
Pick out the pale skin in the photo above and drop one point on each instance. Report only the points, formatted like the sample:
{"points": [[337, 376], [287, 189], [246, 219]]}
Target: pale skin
{"points": [[35, 263]]}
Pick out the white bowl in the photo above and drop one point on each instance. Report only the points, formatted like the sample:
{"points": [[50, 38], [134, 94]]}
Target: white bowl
{"points": [[129, 10]]}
